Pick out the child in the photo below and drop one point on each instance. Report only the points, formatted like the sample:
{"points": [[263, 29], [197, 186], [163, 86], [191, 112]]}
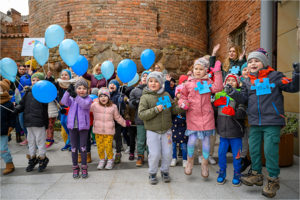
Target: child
{"points": [[158, 123], [52, 114], [105, 112], [8, 121], [134, 100], [78, 123], [117, 98], [36, 121], [178, 130], [265, 115], [231, 128], [200, 116]]}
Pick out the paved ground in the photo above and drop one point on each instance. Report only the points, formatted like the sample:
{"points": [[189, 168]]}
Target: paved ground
{"points": [[126, 181]]}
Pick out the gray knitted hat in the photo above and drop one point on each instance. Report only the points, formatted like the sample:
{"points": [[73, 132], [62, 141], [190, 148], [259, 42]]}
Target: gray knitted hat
{"points": [[260, 54], [158, 76], [80, 82], [95, 91]]}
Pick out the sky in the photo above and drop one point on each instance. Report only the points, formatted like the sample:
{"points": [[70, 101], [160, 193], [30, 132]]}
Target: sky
{"points": [[19, 5]]}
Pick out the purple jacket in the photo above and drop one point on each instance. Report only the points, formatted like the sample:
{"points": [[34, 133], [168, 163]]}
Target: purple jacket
{"points": [[95, 83], [80, 107]]}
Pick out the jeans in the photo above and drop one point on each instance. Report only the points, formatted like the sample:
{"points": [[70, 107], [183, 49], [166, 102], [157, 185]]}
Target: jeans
{"points": [[21, 120], [4, 151], [183, 146]]}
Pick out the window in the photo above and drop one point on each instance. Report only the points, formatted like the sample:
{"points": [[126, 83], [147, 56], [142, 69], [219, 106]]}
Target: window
{"points": [[238, 37]]}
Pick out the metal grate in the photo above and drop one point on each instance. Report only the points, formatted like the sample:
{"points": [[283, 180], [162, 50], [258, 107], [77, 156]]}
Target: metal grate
{"points": [[239, 37]]}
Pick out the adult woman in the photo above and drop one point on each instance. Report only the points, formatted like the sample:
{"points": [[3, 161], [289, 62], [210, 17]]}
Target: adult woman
{"points": [[160, 68]]}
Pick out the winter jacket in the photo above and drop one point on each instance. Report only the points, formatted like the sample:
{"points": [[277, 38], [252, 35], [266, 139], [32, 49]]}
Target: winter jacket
{"points": [[79, 107], [95, 83], [114, 96], [35, 113], [212, 61], [169, 89], [154, 120], [25, 80], [129, 114], [7, 118], [179, 128], [52, 110], [136, 94], [104, 119], [60, 90], [200, 114], [266, 109], [231, 126]]}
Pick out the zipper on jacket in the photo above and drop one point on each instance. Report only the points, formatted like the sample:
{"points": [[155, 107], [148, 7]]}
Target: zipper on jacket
{"points": [[258, 111], [104, 119], [277, 110], [238, 124]]}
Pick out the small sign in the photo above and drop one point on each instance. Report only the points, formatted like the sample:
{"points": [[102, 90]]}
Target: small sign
{"points": [[28, 45]]}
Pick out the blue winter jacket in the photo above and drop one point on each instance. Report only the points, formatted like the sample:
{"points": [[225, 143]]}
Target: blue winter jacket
{"points": [[114, 96], [25, 80], [179, 128], [169, 90]]}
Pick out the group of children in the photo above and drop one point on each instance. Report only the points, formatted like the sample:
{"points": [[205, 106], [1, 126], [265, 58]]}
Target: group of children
{"points": [[159, 123]]}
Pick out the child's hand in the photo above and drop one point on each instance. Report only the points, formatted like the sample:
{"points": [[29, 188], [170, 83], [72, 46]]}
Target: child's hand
{"points": [[220, 102], [120, 100], [160, 107], [217, 67], [242, 55], [128, 122], [49, 74], [296, 67], [228, 110], [216, 48], [185, 105], [168, 77], [189, 73], [71, 88]]}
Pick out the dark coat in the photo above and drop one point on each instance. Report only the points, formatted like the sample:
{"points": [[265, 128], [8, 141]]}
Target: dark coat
{"points": [[95, 83], [136, 94], [114, 96], [179, 128], [169, 89], [7, 117], [60, 90]]}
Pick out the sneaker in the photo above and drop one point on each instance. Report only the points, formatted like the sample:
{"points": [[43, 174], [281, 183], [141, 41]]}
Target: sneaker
{"points": [[66, 147], [131, 156], [245, 164], [49, 142], [165, 177], [127, 151], [253, 179], [76, 171], [101, 164], [118, 158], [24, 143], [200, 159], [271, 187], [180, 153], [84, 173], [236, 181], [32, 161], [211, 160], [222, 177], [140, 161], [173, 163], [43, 162], [152, 179], [184, 163], [110, 164]]}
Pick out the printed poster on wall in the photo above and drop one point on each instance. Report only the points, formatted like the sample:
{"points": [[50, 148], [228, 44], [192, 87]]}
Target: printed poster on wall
{"points": [[28, 45]]}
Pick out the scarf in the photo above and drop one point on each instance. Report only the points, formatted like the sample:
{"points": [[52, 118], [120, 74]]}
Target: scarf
{"points": [[98, 76], [5, 97], [254, 73], [65, 84]]}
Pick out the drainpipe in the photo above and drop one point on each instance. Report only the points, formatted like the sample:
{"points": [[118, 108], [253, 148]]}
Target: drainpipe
{"points": [[266, 23]]}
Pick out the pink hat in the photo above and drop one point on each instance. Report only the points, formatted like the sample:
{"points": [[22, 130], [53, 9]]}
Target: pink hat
{"points": [[178, 89]]}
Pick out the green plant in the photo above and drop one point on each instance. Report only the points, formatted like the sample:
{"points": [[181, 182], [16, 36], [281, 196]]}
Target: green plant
{"points": [[291, 125]]}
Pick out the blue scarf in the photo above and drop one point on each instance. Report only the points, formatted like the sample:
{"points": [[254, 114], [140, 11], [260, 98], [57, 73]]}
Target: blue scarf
{"points": [[98, 76]]}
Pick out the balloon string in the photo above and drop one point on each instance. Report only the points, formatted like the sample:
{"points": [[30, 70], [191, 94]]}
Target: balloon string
{"points": [[7, 108], [19, 83], [57, 103], [48, 60]]}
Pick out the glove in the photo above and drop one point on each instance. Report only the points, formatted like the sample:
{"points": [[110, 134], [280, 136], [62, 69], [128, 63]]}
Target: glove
{"points": [[73, 94], [228, 110], [120, 100], [15, 113], [63, 111], [217, 67], [136, 102], [220, 102], [128, 122], [9, 131], [296, 67], [185, 105], [228, 89], [71, 88]]}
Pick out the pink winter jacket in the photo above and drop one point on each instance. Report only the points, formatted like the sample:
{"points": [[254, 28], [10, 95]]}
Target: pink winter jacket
{"points": [[200, 114], [104, 118]]}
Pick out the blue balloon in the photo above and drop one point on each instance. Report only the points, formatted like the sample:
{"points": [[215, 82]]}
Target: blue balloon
{"points": [[54, 35], [8, 69], [147, 58], [134, 80], [69, 51], [126, 70], [41, 53], [44, 91], [92, 96], [81, 66], [107, 69]]}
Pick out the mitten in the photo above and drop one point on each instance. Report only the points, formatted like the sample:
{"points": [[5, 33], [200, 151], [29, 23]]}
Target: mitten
{"points": [[228, 89], [73, 94], [71, 88], [220, 102], [128, 122], [15, 113], [217, 67], [185, 105], [296, 67], [228, 110], [63, 111], [135, 102]]}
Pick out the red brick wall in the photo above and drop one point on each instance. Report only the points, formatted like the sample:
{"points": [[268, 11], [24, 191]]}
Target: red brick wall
{"points": [[133, 22], [15, 15], [225, 17], [12, 48]]}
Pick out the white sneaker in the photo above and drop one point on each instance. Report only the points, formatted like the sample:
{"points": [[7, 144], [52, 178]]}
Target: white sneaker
{"points": [[173, 163], [200, 159], [101, 164], [127, 151], [211, 160], [110, 164], [184, 163]]}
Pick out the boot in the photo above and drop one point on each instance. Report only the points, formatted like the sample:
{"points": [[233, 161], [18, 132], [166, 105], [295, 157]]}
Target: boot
{"points": [[271, 187], [89, 158], [140, 161], [18, 137], [79, 158], [43, 162], [76, 171], [253, 179], [189, 165], [204, 167], [245, 164], [84, 173], [9, 168], [32, 161]]}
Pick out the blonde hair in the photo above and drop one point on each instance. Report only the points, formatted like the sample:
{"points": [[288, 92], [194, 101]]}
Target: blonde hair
{"points": [[238, 51], [96, 67], [160, 66]]}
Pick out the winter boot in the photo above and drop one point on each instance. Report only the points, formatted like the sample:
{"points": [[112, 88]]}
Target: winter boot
{"points": [[118, 158], [189, 165], [253, 179], [245, 163], [152, 179], [236, 181], [31, 163], [76, 171], [140, 161], [18, 137], [165, 177], [204, 167], [271, 187], [9, 168], [131, 156], [43, 162], [84, 173], [79, 158], [89, 157], [221, 178]]}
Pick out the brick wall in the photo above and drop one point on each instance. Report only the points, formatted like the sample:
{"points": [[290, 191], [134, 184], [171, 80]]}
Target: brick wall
{"points": [[124, 21], [12, 47], [15, 15], [227, 16]]}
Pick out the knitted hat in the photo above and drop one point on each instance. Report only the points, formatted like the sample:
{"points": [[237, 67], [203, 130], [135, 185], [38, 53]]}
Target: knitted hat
{"points": [[202, 61], [158, 76], [183, 78], [128, 90], [95, 91], [261, 55], [5, 84], [33, 63], [80, 82], [145, 72], [39, 75], [243, 66], [235, 76], [178, 89], [69, 72], [116, 83], [104, 91]]}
